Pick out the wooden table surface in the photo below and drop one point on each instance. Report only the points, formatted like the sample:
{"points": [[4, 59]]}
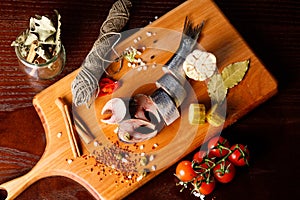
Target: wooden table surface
{"points": [[271, 28]]}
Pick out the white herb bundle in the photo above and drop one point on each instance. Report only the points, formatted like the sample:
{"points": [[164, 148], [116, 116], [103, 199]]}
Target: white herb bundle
{"points": [[85, 86]]}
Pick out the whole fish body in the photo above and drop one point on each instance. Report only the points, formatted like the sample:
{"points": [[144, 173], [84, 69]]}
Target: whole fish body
{"points": [[174, 78], [188, 41]]}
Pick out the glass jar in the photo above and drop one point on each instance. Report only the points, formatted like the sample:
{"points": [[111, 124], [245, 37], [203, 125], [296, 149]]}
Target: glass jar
{"points": [[43, 71]]}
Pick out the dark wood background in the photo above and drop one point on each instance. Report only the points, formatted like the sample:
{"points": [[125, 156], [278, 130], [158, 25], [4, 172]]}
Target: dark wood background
{"points": [[270, 27]]}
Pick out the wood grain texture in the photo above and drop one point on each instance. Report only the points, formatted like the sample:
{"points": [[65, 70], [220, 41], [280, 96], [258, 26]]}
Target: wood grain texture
{"points": [[270, 27], [228, 47]]}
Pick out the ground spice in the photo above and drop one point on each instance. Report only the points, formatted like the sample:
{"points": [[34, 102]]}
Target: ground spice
{"points": [[120, 162]]}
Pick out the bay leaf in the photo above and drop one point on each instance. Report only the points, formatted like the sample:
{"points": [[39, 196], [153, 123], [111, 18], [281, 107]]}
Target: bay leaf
{"points": [[216, 88], [234, 73], [44, 27]]}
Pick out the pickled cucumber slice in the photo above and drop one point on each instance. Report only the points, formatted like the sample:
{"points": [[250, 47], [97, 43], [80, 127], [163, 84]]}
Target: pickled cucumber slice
{"points": [[196, 114], [213, 117]]}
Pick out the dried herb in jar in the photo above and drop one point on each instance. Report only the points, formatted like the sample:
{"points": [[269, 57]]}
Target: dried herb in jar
{"points": [[41, 41]]}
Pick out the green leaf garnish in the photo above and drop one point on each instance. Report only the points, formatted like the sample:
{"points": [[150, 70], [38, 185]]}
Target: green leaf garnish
{"points": [[216, 88], [234, 73]]}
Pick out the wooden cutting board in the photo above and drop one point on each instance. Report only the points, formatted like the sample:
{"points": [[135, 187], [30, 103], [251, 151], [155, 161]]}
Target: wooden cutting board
{"points": [[218, 37]]}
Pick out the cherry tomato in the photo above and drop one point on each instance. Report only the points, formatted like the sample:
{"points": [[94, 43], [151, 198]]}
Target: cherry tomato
{"points": [[184, 171], [240, 155], [224, 172], [214, 149], [204, 187], [199, 156]]}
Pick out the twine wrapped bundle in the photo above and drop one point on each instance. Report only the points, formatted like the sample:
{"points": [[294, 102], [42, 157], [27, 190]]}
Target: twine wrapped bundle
{"points": [[85, 86]]}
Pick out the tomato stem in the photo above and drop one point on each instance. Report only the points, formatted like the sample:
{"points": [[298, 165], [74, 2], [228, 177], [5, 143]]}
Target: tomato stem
{"points": [[213, 164]]}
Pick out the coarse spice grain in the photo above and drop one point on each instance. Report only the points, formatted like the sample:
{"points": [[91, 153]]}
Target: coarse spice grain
{"points": [[121, 162], [59, 135], [112, 157]]}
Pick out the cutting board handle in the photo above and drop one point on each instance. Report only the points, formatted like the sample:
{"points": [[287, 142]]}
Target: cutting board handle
{"points": [[18, 185]]}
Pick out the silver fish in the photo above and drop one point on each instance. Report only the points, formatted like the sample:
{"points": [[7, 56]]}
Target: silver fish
{"points": [[188, 41], [173, 87], [165, 106]]}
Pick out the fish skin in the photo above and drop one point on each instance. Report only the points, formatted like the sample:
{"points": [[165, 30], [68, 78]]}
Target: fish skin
{"points": [[165, 106], [173, 87]]}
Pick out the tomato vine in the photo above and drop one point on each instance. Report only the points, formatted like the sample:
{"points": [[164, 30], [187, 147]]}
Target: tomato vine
{"points": [[217, 164]]}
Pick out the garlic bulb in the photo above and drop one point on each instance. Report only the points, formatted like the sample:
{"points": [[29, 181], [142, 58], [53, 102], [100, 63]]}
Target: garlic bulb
{"points": [[200, 65]]}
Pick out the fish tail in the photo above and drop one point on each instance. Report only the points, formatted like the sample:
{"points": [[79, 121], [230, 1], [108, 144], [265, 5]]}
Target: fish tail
{"points": [[190, 30], [189, 38]]}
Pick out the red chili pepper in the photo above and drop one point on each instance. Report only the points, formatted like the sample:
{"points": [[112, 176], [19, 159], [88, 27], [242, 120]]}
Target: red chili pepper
{"points": [[105, 81], [107, 86]]}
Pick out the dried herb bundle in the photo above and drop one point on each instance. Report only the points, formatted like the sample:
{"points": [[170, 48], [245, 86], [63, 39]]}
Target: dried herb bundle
{"points": [[85, 86]]}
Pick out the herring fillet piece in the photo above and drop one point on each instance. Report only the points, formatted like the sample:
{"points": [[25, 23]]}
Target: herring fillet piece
{"points": [[144, 103], [136, 130], [117, 108], [173, 87], [165, 106]]}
